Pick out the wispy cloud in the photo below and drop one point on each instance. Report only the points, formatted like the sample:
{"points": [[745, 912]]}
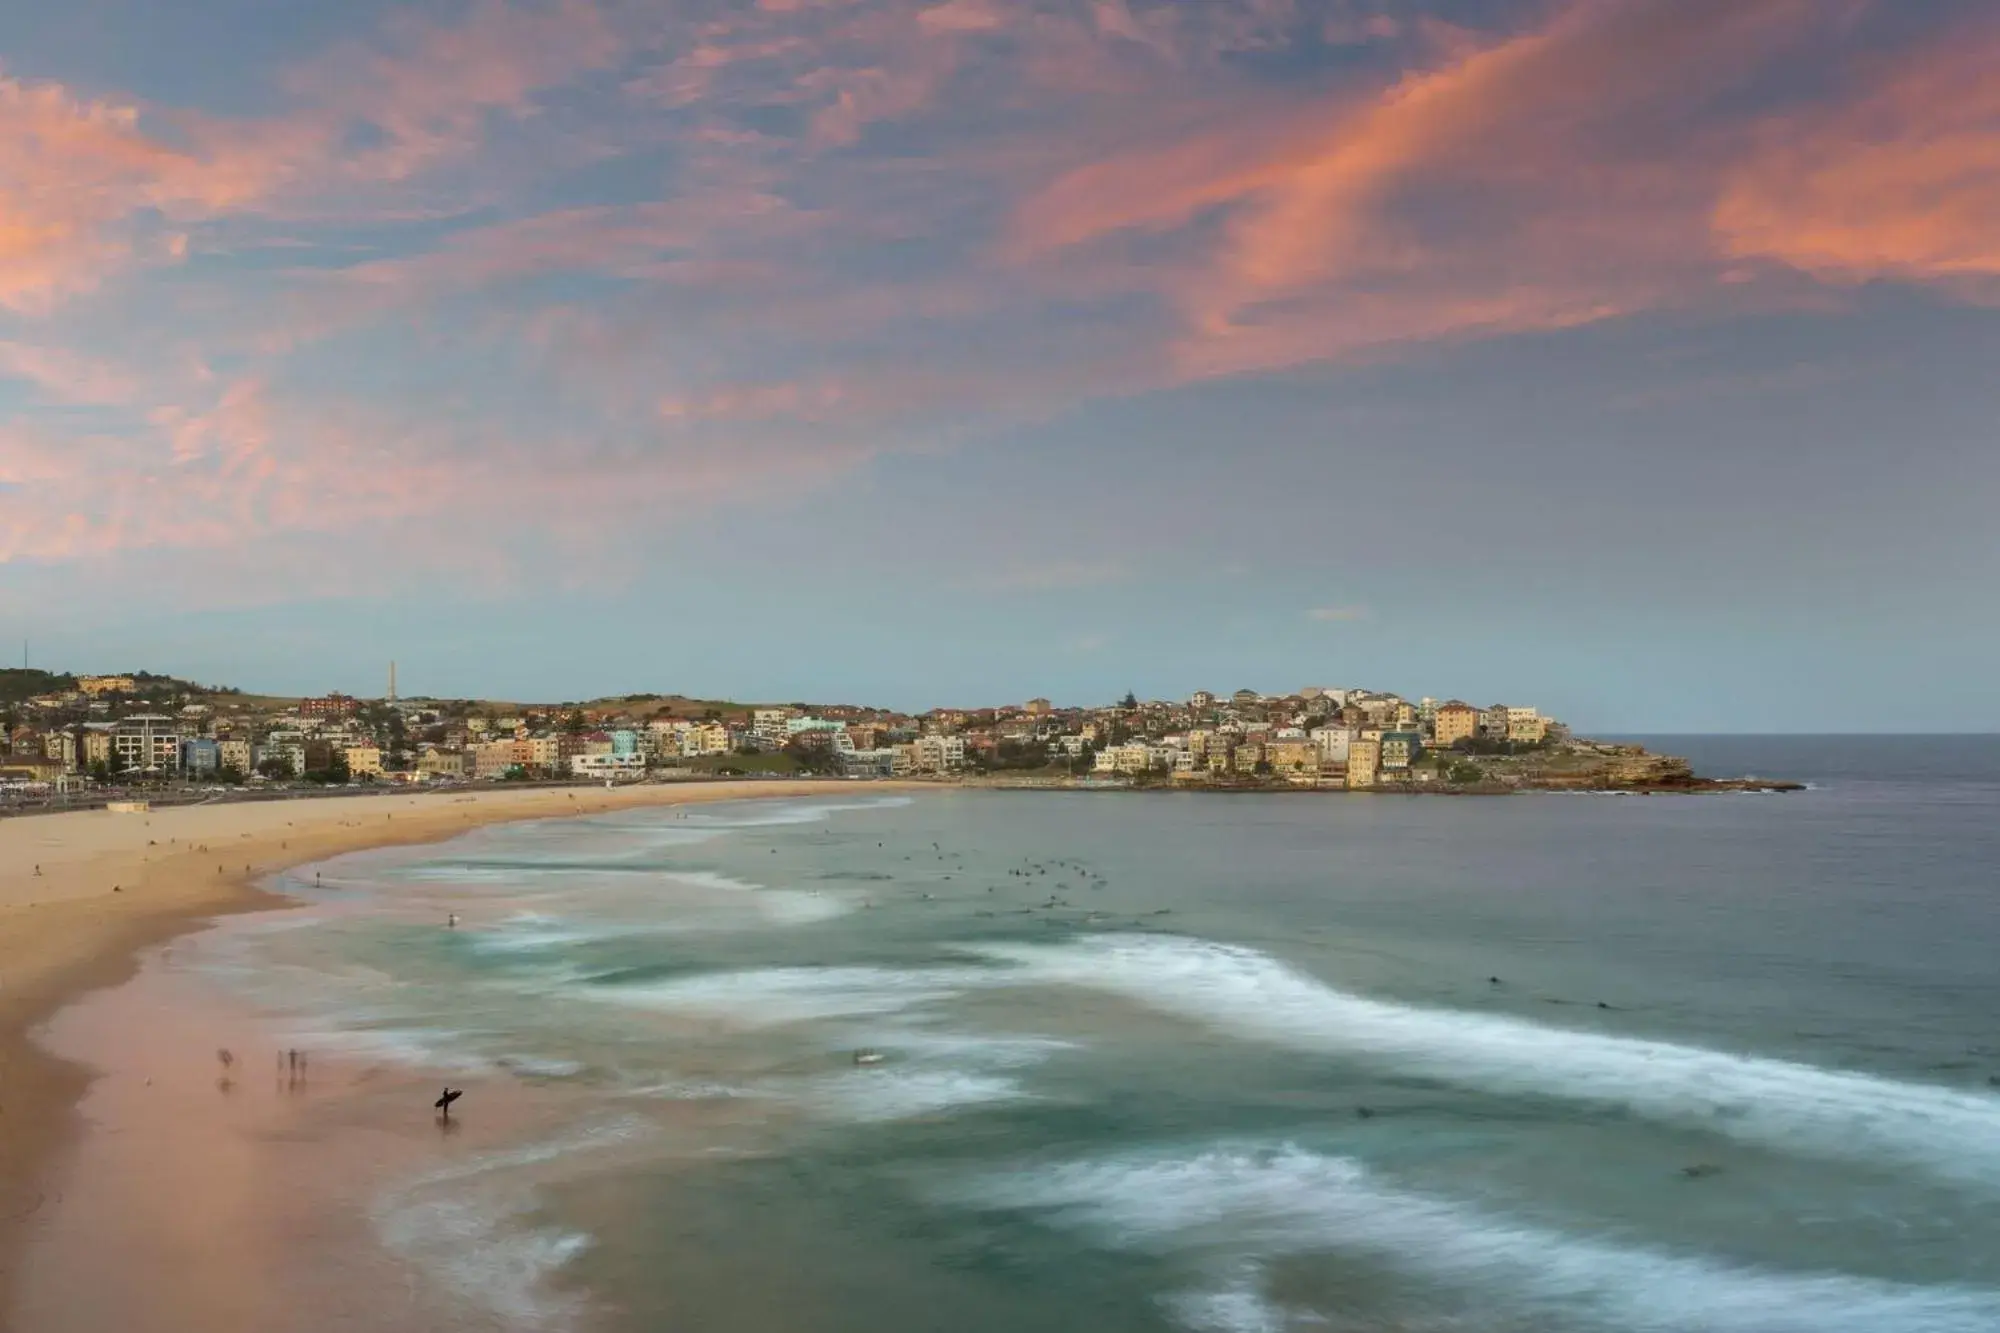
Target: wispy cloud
{"points": [[1902, 179], [587, 254]]}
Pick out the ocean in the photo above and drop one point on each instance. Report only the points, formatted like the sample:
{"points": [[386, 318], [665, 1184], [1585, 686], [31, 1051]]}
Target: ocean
{"points": [[1240, 1064]]}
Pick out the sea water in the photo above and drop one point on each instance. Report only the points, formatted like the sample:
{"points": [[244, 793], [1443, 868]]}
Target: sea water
{"points": [[1186, 1062]]}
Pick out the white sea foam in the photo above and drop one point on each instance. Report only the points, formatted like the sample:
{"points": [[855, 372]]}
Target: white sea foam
{"points": [[528, 931], [785, 906], [440, 1049], [474, 1253], [1237, 1305], [462, 1225], [775, 815], [1950, 1133], [986, 1050], [901, 1094], [773, 997], [1268, 1203], [692, 1091]]}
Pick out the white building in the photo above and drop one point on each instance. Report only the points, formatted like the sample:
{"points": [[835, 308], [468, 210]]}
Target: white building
{"points": [[938, 754], [610, 767], [146, 742], [1333, 743], [879, 763], [769, 724]]}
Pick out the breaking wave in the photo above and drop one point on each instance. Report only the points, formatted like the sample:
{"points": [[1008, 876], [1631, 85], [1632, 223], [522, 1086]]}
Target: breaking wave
{"points": [[1269, 1203], [1782, 1104]]}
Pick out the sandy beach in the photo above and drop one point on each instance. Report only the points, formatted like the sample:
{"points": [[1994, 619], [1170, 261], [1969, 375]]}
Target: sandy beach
{"points": [[81, 894]]}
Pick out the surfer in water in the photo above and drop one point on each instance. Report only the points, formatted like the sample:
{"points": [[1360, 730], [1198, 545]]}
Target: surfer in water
{"points": [[443, 1103]]}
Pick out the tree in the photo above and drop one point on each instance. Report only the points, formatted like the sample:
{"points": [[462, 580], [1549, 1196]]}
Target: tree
{"points": [[229, 774], [335, 773], [813, 758], [275, 767], [1130, 702], [399, 740]]}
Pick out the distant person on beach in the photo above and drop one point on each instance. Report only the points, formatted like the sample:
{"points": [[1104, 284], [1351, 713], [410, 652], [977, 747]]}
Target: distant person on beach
{"points": [[443, 1103], [451, 921]]}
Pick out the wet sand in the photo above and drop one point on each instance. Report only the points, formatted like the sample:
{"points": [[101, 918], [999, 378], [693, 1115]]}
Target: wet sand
{"points": [[81, 896]]}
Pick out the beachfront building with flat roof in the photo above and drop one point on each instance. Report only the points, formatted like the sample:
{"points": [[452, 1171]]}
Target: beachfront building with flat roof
{"points": [[608, 767], [436, 763], [200, 757], [1455, 721], [146, 743], [364, 761]]}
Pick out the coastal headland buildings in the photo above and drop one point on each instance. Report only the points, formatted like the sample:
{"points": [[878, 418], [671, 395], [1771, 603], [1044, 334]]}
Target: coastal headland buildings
{"points": [[127, 729]]}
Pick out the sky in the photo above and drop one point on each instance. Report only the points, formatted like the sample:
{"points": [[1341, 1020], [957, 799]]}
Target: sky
{"points": [[1634, 359]]}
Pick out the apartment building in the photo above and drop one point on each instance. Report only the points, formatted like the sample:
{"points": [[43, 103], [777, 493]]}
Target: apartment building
{"points": [[1455, 721], [1526, 725], [236, 756], [608, 767], [1293, 759], [1363, 761], [146, 743], [1398, 750]]}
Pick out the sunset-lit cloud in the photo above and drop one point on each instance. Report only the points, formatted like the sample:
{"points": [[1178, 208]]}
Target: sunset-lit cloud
{"points": [[1899, 179], [588, 258]]}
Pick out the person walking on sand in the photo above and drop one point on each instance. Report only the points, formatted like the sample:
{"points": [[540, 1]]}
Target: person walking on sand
{"points": [[443, 1103], [451, 921]]}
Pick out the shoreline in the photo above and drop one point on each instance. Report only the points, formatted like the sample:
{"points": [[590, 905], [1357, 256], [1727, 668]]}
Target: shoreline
{"points": [[83, 894]]}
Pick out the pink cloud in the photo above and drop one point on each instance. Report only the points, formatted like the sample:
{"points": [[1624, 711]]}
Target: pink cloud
{"points": [[1901, 180], [880, 225], [1327, 228], [66, 376]]}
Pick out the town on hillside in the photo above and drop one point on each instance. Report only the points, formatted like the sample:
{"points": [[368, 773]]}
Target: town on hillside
{"points": [[73, 735]]}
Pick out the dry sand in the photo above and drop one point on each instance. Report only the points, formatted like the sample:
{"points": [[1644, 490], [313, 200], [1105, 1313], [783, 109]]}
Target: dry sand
{"points": [[81, 893]]}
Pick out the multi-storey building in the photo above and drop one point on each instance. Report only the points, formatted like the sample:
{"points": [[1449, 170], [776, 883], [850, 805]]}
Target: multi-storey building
{"points": [[1526, 725], [939, 754], [235, 755], [1293, 759], [1398, 750], [1363, 760], [60, 747], [435, 763], [146, 743], [608, 767], [1455, 721], [200, 757]]}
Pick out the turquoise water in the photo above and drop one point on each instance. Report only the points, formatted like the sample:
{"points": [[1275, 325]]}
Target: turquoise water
{"points": [[1195, 1063]]}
